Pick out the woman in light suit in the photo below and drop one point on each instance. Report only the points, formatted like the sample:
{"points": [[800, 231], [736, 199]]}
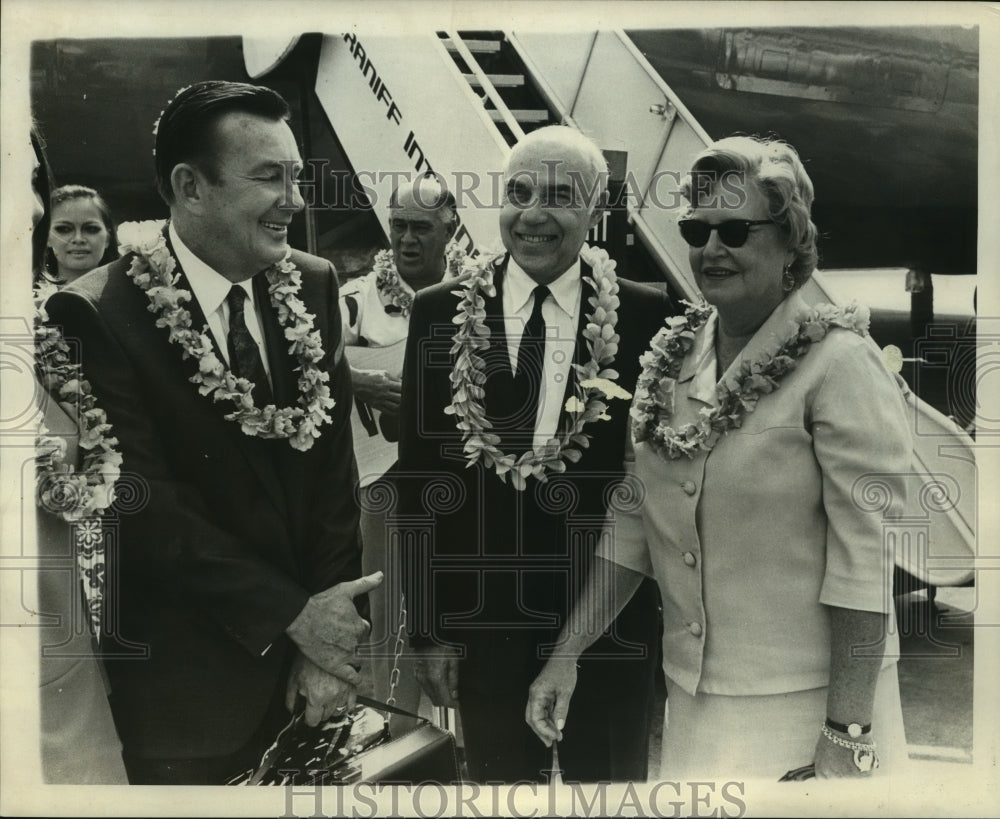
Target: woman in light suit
{"points": [[770, 444]]}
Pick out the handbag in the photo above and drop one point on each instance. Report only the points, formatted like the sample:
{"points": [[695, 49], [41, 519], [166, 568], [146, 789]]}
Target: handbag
{"points": [[356, 747]]}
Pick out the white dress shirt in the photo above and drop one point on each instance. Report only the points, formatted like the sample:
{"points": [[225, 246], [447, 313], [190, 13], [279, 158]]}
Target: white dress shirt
{"points": [[210, 289], [561, 313]]}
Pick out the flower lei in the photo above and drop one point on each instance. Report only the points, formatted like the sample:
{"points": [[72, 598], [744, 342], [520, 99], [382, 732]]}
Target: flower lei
{"points": [[594, 384], [391, 288], [78, 497], [152, 271], [654, 393]]}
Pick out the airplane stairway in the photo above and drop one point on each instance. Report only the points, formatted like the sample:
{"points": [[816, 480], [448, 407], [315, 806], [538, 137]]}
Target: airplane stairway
{"points": [[602, 84], [492, 68], [456, 102]]}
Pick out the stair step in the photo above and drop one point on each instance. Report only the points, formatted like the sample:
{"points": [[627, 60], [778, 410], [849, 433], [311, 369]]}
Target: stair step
{"points": [[498, 80], [475, 46], [521, 115]]}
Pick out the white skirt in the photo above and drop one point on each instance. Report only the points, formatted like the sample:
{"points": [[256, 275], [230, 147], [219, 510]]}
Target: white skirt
{"points": [[748, 737]]}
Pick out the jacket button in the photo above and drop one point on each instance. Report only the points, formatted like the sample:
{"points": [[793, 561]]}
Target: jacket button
{"points": [[690, 559], [689, 487], [695, 629]]}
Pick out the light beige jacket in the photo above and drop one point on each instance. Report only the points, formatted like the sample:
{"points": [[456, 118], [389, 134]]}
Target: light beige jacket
{"points": [[791, 513]]}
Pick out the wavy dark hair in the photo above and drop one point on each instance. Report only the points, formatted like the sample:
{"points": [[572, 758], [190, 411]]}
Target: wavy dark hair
{"points": [[185, 131]]}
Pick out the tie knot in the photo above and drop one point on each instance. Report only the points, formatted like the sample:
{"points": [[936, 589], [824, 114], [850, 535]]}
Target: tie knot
{"points": [[541, 293], [237, 295]]}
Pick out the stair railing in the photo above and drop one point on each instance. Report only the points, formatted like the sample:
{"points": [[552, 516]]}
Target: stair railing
{"points": [[487, 84]]}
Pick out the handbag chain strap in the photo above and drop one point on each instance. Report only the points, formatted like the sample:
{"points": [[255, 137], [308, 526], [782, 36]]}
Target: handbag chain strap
{"points": [[397, 651]]}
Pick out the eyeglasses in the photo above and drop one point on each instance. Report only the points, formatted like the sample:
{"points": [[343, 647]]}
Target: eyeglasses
{"points": [[732, 232]]}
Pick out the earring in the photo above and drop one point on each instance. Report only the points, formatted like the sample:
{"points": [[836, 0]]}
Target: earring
{"points": [[787, 280]]}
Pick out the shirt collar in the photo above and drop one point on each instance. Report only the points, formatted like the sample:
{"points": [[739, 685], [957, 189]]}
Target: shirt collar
{"points": [[209, 287], [565, 290]]}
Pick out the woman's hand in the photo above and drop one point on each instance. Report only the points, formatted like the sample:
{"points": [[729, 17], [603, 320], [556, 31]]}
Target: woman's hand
{"points": [[548, 699], [835, 761]]}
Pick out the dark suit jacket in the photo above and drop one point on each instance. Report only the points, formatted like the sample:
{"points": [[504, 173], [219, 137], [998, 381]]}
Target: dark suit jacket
{"points": [[490, 569], [222, 537]]}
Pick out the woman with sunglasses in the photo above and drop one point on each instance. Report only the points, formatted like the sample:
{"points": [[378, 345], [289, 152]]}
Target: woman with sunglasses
{"points": [[770, 444]]}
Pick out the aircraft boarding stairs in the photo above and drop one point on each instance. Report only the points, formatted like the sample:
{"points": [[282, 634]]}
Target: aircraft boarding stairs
{"points": [[456, 102]]}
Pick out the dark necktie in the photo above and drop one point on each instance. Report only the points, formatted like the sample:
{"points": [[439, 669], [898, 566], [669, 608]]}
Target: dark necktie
{"points": [[244, 354], [530, 363]]}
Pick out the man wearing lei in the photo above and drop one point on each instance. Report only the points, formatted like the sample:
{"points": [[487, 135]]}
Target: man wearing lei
{"points": [[513, 424], [375, 308], [375, 311], [216, 352]]}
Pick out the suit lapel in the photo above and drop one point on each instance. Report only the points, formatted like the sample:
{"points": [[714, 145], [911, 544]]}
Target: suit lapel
{"points": [[495, 319], [280, 361], [499, 375], [580, 352]]}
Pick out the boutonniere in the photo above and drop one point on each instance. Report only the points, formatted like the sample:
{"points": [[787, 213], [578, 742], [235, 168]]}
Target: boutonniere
{"points": [[592, 388], [152, 271], [653, 407]]}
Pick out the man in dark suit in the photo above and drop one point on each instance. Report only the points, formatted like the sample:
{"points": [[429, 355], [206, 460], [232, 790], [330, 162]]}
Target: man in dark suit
{"points": [[235, 584], [494, 556]]}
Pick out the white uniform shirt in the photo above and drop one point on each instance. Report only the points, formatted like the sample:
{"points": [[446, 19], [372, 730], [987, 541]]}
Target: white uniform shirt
{"points": [[369, 317]]}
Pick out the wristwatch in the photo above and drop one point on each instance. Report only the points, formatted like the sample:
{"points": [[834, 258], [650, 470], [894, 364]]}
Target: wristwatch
{"points": [[854, 730]]}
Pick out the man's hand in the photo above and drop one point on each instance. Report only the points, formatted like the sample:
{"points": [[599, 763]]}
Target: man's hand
{"points": [[326, 696], [437, 672], [548, 699], [378, 389], [329, 628]]}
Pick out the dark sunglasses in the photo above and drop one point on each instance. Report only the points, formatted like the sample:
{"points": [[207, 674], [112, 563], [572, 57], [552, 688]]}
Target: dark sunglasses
{"points": [[732, 232]]}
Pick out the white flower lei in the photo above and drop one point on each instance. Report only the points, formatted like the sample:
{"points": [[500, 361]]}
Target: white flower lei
{"points": [[78, 497], [594, 384], [152, 271], [388, 283], [654, 392]]}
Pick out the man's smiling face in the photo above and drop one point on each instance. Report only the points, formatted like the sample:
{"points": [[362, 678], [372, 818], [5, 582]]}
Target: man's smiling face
{"points": [[243, 224], [549, 207]]}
